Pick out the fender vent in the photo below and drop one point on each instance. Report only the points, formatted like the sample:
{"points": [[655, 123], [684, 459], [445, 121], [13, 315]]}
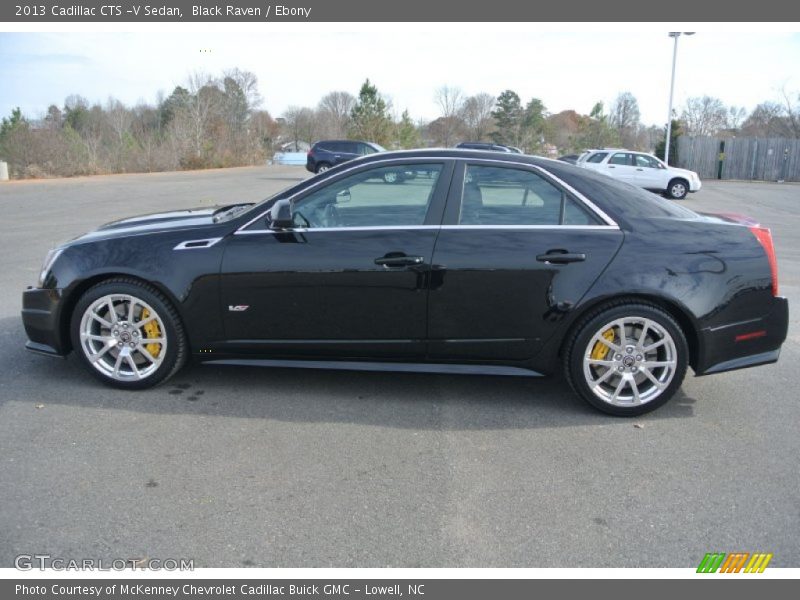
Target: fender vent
{"points": [[196, 244]]}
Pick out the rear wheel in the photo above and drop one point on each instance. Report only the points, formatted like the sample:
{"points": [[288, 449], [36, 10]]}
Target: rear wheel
{"points": [[627, 360], [678, 189], [128, 334], [322, 167]]}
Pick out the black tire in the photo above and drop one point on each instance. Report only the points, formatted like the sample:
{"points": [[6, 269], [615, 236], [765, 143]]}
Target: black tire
{"points": [[323, 166], [580, 347], [177, 349], [678, 189]]}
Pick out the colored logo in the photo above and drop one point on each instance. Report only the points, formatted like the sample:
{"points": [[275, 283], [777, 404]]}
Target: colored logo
{"points": [[736, 562]]}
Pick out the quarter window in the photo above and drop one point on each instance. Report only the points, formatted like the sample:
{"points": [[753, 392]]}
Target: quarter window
{"points": [[391, 196], [508, 196]]}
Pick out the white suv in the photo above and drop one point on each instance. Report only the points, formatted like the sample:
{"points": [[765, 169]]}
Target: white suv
{"points": [[640, 169]]}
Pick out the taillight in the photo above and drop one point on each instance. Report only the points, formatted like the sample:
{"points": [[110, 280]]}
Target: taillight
{"points": [[764, 236]]}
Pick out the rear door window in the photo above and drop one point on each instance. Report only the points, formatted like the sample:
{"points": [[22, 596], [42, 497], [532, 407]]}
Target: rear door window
{"points": [[597, 157], [620, 158], [510, 196]]}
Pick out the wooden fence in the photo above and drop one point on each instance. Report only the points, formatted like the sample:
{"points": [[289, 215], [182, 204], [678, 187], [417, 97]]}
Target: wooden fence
{"points": [[764, 159]]}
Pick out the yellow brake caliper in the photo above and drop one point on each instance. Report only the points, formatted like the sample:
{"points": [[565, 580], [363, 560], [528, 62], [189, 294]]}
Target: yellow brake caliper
{"points": [[600, 350], [151, 330]]}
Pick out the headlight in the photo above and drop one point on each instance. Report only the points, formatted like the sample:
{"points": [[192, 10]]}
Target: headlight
{"points": [[51, 257]]}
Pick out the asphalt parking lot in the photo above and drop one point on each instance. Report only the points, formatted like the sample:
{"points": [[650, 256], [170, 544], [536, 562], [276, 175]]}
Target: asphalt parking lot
{"points": [[239, 467]]}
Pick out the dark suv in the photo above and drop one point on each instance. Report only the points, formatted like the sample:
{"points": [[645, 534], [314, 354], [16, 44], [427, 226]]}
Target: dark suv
{"points": [[488, 146], [329, 153]]}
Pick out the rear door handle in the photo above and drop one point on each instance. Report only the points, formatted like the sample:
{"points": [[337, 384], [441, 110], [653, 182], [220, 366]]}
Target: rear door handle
{"points": [[399, 261], [561, 257]]}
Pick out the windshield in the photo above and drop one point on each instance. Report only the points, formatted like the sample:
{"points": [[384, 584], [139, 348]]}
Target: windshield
{"points": [[378, 147]]}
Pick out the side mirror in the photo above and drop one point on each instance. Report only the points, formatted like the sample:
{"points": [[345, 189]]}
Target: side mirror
{"points": [[280, 215]]}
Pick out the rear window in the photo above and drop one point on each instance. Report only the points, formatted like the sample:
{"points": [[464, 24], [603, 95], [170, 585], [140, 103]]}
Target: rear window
{"points": [[615, 196]]}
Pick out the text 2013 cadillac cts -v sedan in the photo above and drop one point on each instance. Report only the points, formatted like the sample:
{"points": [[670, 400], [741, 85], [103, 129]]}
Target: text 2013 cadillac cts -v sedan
{"points": [[480, 263]]}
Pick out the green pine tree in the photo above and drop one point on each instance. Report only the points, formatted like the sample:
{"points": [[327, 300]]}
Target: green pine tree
{"points": [[369, 119], [509, 116]]}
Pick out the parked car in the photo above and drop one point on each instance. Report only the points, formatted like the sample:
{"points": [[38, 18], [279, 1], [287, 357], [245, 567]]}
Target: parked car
{"points": [[491, 264], [488, 146], [642, 170], [328, 153]]}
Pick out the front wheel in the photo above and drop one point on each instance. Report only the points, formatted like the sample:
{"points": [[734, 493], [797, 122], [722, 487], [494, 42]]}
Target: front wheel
{"points": [[678, 189], [392, 177], [627, 360], [128, 334]]}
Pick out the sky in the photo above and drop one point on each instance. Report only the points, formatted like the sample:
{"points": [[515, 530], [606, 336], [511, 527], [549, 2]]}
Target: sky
{"points": [[408, 62]]}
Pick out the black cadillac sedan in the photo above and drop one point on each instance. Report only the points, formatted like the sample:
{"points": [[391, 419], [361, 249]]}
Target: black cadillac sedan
{"points": [[482, 263]]}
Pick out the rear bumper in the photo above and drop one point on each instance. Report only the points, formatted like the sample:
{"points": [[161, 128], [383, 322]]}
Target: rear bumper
{"points": [[745, 344], [41, 318]]}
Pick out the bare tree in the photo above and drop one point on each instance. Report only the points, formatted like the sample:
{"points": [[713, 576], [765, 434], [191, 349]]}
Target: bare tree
{"points": [[704, 116], [736, 115], [334, 109], [190, 125], [766, 120], [791, 103], [248, 83], [301, 123], [450, 101], [476, 112], [624, 117], [119, 118]]}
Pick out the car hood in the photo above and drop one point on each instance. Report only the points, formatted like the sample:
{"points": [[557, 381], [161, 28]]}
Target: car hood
{"points": [[685, 172], [154, 223]]}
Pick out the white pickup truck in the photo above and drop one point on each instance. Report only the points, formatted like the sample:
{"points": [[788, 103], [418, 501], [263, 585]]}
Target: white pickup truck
{"points": [[641, 169]]}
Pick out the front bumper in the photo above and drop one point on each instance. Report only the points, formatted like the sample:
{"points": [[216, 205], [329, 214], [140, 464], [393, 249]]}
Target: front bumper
{"points": [[745, 344], [41, 312]]}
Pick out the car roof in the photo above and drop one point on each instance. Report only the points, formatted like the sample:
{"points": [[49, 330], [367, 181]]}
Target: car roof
{"points": [[338, 141]]}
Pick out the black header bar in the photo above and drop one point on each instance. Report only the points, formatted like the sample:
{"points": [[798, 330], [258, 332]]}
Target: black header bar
{"points": [[250, 11]]}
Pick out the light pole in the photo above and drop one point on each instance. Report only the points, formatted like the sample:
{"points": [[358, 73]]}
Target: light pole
{"points": [[675, 35]]}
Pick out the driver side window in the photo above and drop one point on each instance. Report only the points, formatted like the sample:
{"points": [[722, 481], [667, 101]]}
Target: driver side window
{"points": [[389, 196]]}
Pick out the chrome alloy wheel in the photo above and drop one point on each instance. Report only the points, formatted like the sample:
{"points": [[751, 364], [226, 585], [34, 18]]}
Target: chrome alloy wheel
{"points": [[123, 337], [630, 361]]}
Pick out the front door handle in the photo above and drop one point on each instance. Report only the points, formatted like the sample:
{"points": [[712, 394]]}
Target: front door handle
{"points": [[399, 261], [561, 257]]}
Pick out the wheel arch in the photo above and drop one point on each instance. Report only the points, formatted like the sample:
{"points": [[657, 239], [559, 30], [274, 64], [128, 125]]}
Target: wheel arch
{"points": [[673, 308], [78, 289], [682, 179]]}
